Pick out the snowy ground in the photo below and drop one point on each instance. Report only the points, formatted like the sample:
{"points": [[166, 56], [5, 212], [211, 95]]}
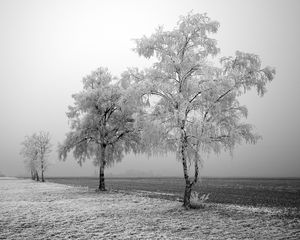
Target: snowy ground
{"points": [[31, 210]]}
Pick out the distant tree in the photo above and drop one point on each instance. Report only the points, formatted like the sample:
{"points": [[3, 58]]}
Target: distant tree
{"points": [[196, 107], [102, 123], [30, 154], [35, 149], [43, 146]]}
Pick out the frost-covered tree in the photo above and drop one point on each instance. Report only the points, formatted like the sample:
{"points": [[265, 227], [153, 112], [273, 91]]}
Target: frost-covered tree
{"points": [[34, 150], [102, 123], [196, 108], [30, 154], [43, 146]]}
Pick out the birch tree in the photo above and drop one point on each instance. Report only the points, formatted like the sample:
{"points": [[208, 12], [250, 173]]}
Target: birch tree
{"points": [[102, 125], [196, 108]]}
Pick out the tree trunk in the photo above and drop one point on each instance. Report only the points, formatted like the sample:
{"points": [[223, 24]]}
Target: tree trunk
{"points": [[101, 170], [188, 185], [42, 170], [42, 166], [196, 176], [197, 158], [37, 176], [32, 174], [43, 180], [187, 195]]}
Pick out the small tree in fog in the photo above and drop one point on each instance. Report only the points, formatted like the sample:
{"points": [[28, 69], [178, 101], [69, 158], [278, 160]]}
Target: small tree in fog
{"points": [[102, 125], [43, 146], [35, 149], [30, 154], [196, 108]]}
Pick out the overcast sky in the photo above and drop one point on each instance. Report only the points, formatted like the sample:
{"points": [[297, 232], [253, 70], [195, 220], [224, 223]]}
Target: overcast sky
{"points": [[47, 46]]}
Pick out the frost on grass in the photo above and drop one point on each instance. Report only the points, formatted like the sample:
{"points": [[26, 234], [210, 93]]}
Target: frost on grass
{"points": [[31, 210]]}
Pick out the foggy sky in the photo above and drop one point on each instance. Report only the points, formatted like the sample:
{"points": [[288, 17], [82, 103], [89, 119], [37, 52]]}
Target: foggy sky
{"points": [[47, 47]]}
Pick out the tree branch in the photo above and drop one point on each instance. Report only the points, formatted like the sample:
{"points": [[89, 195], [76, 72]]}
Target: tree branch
{"points": [[112, 142], [196, 95]]}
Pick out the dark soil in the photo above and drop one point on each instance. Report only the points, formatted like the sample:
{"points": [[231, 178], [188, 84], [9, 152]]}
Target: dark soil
{"points": [[242, 191]]}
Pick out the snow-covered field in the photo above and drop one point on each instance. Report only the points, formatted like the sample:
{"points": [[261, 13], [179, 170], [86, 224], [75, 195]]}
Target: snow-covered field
{"points": [[31, 210]]}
